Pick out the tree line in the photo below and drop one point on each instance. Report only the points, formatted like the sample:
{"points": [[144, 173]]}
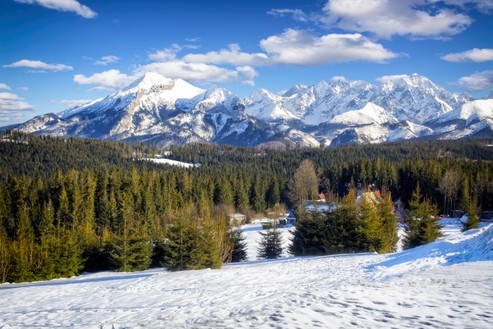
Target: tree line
{"points": [[81, 205]]}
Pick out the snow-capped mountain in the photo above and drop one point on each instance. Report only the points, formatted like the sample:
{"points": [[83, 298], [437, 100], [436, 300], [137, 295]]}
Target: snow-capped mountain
{"points": [[158, 110]]}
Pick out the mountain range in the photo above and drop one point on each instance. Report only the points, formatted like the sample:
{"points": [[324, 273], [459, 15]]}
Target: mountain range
{"points": [[162, 111]]}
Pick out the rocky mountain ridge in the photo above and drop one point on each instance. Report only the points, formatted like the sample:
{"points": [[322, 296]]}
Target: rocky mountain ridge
{"points": [[163, 111]]}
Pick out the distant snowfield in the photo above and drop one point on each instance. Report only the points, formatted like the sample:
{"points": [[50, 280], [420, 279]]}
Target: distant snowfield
{"points": [[446, 284], [171, 162]]}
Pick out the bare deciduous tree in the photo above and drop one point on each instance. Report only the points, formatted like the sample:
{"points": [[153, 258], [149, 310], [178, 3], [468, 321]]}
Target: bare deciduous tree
{"points": [[304, 184]]}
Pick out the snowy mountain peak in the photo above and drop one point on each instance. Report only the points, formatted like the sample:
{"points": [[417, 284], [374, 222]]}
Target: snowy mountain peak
{"points": [[295, 90], [392, 82], [158, 109], [148, 81]]}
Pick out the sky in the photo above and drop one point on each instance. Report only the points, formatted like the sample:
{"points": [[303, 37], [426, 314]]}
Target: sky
{"points": [[56, 54]]}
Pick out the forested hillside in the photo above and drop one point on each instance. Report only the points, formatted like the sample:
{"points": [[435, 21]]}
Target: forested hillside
{"points": [[76, 205]]}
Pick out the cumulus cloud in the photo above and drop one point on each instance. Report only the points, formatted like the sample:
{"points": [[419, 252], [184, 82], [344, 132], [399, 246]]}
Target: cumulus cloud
{"points": [[166, 54], [302, 48], [4, 86], [478, 81], [391, 78], [13, 108], [39, 65], [247, 74], [473, 55], [105, 60], [384, 18], [111, 79], [233, 55], [195, 72], [64, 5], [296, 14]]}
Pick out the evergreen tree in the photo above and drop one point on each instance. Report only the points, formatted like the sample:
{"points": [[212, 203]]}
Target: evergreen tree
{"points": [[181, 244], [133, 250], [343, 233], [238, 252], [471, 208], [389, 224], [309, 235], [270, 246], [422, 223], [371, 225], [5, 255]]}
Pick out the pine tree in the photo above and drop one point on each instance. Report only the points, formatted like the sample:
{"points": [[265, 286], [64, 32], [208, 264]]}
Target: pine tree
{"points": [[132, 250], [371, 225], [309, 235], [471, 208], [389, 224], [5, 255], [422, 223], [238, 252], [270, 245], [180, 246], [343, 232]]}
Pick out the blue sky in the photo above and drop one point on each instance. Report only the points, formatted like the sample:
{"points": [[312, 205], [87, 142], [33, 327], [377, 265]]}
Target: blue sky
{"points": [[60, 53]]}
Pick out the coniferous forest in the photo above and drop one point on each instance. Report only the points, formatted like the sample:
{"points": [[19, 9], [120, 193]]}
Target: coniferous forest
{"points": [[73, 205]]}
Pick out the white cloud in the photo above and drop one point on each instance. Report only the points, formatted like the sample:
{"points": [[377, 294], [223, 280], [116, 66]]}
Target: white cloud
{"points": [[4, 86], [302, 48], [247, 74], [12, 108], [338, 78], [385, 18], [105, 60], [232, 55], [39, 65], [64, 5], [194, 72], [167, 54], [478, 81], [111, 79], [390, 78], [296, 14], [23, 88], [473, 55], [70, 103]]}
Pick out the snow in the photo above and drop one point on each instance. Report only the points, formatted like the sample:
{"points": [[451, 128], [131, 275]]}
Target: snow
{"points": [[402, 107], [170, 162], [370, 113], [445, 284]]}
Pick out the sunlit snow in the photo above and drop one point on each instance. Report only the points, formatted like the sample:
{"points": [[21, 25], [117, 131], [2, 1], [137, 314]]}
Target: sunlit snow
{"points": [[446, 284]]}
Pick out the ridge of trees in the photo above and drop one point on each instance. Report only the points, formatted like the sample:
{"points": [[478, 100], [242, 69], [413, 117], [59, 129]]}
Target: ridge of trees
{"points": [[84, 205]]}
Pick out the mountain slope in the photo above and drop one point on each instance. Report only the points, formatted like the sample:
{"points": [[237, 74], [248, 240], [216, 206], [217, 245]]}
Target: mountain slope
{"points": [[450, 281], [164, 111]]}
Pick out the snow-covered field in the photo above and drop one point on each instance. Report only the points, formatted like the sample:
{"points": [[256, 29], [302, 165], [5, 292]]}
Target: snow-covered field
{"points": [[446, 284]]}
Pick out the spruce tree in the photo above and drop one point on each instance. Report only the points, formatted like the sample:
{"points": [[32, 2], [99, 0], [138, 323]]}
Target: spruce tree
{"points": [[308, 235], [422, 222], [389, 224], [180, 245], [239, 252], [5, 255], [270, 246], [371, 225], [471, 208]]}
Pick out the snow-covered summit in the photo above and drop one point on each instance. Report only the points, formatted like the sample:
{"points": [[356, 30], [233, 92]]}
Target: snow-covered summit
{"points": [[155, 82], [154, 107]]}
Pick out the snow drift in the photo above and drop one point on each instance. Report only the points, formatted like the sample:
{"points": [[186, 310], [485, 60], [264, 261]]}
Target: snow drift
{"points": [[444, 284]]}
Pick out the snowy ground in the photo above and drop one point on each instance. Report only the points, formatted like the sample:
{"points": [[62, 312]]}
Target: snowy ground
{"points": [[446, 284]]}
